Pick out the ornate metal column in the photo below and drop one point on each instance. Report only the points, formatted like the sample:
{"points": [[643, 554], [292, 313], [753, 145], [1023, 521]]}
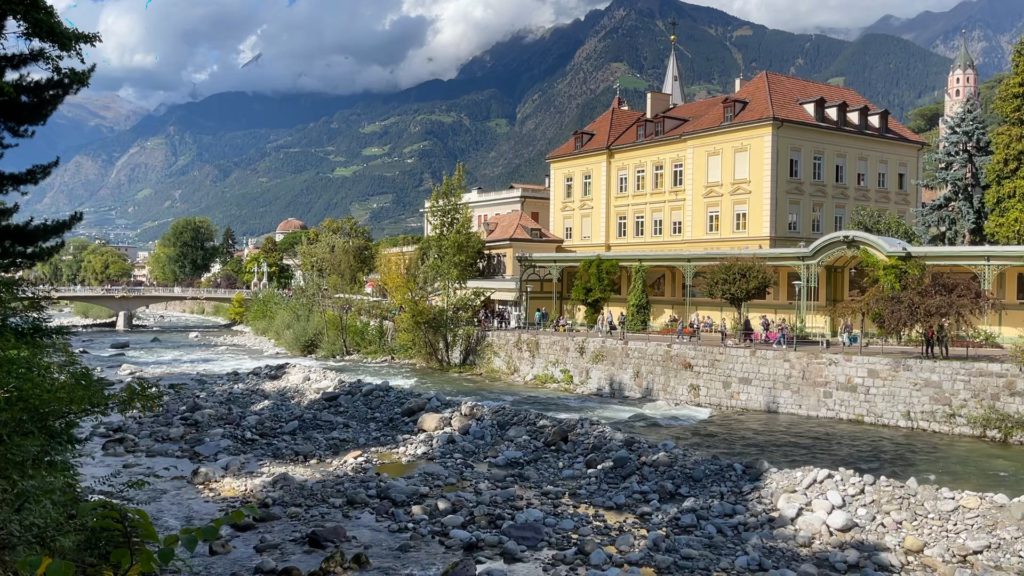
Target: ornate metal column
{"points": [[689, 271], [556, 275]]}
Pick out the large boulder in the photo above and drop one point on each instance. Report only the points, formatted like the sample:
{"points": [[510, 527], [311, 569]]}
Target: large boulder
{"points": [[528, 534], [413, 407], [432, 422], [324, 537]]}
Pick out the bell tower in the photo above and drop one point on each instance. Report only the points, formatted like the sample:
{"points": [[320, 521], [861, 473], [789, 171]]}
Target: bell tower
{"points": [[962, 82]]}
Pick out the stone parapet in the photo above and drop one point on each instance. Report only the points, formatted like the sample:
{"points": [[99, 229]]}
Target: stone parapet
{"points": [[951, 397]]}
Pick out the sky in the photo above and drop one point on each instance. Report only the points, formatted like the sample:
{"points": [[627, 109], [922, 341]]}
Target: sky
{"points": [[165, 51]]}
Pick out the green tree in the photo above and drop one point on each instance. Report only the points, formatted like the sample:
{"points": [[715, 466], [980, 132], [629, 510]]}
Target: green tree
{"points": [[738, 281], [185, 252], [41, 64], [338, 255], [882, 223], [638, 305], [290, 243], [236, 312], [926, 117], [228, 245], [439, 313], [595, 282], [105, 265], [65, 267], [957, 216], [230, 275], [1005, 196]]}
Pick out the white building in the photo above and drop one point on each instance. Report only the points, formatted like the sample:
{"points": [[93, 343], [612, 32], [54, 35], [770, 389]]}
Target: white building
{"points": [[531, 199]]}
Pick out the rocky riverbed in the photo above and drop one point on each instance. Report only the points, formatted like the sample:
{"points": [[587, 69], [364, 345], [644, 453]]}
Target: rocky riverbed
{"points": [[345, 473]]}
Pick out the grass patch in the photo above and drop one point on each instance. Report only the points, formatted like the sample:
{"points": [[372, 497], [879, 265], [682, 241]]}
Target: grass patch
{"points": [[439, 117], [375, 150], [144, 193], [499, 125], [92, 311], [347, 170], [415, 147], [630, 82]]}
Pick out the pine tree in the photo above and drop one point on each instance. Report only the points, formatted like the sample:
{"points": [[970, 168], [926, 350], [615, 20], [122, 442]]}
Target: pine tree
{"points": [[37, 72], [1005, 197], [228, 245], [957, 216]]}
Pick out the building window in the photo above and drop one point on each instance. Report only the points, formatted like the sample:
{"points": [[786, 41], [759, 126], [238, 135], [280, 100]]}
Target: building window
{"points": [[741, 164], [794, 163], [638, 226], [677, 222], [739, 219], [1020, 286], [714, 168], [620, 227], [585, 228], [840, 219], [568, 232], [579, 141], [728, 113], [957, 92], [587, 185], [568, 187], [659, 176], [677, 175], [840, 170], [657, 224], [641, 131], [714, 220], [623, 182], [818, 168], [883, 176], [901, 179], [659, 127], [862, 172], [641, 180], [816, 218], [793, 218]]}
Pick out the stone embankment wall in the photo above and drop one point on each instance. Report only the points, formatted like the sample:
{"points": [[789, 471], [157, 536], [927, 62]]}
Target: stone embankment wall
{"points": [[953, 397]]}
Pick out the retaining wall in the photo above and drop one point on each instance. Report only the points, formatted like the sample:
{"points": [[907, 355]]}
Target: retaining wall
{"points": [[954, 397]]}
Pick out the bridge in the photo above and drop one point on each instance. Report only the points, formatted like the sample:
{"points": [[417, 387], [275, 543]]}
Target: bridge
{"points": [[126, 300]]}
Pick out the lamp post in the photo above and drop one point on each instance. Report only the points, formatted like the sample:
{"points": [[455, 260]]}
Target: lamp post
{"points": [[796, 312], [526, 310]]}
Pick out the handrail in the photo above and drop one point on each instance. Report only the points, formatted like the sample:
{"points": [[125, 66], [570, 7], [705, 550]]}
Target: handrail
{"points": [[146, 290]]}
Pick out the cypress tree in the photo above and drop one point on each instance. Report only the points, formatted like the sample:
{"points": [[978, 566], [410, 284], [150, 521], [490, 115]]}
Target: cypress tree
{"points": [[1005, 197], [38, 54], [957, 216], [638, 305]]}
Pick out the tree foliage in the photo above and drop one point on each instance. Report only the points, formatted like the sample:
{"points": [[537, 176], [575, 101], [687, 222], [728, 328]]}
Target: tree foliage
{"points": [[102, 265], [279, 274], [957, 216], [228, 245], [41, 64], [595, 282], [451, 252], [1005, 196], [882, 222], [185, 252], [337, 255], [236, 312], [738, 281], [925, 118], [638, 304]]}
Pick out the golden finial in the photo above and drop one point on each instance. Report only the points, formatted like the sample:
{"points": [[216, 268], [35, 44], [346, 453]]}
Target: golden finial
{"points": [[673, 23]]}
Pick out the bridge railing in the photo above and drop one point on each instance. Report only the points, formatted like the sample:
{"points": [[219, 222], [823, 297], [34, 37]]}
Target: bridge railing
{"points": [[145, 291]]}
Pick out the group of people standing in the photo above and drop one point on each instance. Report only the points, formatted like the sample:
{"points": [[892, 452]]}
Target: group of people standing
{"points": [[937, 335]]}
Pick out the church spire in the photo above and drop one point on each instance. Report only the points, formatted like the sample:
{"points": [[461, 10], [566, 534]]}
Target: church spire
{"points": [[963, 61], [673, 84]]}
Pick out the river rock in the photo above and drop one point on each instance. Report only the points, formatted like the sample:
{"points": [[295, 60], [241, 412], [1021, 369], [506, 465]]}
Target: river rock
{"points": [[265, 566], [913, 544], [220, 547], [205, 474], [624, 543], [463, 567], [413, 407], [557, 435], [324, 537], [119, 345], [453, 521], [461, 424], [835, 498], [970, 502], [431, 422], [597, 558], [209, 448], [528, 534], [194, 335], [840, 521], [290, 571]]}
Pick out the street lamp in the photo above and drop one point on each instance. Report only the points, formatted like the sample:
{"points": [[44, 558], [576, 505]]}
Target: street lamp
{"points": [[526, 309], [796, 313]]}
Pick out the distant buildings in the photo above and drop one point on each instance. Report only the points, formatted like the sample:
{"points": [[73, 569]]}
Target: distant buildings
{"points": [[531, 199], [288, 226]]}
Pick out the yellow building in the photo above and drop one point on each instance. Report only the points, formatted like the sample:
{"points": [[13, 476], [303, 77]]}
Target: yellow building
{"points": [[772, 170]]}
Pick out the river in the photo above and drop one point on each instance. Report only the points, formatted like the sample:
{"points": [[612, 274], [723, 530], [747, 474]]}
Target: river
{"points": [[784, 441]]}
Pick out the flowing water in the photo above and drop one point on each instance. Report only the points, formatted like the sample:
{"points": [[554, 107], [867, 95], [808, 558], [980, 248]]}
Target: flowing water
{"points": [[784, 441]]}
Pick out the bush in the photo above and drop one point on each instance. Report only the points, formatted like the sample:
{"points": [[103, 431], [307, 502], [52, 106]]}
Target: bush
{"points": [[91, 311]]}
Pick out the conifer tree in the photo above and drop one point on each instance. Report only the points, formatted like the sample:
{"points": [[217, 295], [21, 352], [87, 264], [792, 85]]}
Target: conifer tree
{"points": [[1005, 197], [957, 216], [638, 305], [38, 57]]}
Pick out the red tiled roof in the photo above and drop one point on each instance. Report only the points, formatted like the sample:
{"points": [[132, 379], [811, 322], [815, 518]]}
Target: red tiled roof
{"points": [[603, 131], [768, 96], [516, 225]]}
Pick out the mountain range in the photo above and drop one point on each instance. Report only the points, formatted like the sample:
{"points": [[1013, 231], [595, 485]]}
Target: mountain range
{"points": [[251, 160]]}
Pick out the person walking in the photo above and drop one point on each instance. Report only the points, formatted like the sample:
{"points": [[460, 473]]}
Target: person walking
{"points": [[929, 342], [600, 325], [780, 339], [538, 317], [723, 329], [544, 316], [846, 331], [765, 328], [942, 338], [748, 331]]}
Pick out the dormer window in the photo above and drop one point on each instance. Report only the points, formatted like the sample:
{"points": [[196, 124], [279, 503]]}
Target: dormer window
{"points": [[535, 233], [728, 112], [659, 127], [579, 141], [641, 131]]}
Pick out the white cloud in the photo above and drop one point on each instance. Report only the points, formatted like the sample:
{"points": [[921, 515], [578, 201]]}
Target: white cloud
{"points": [[154, 50]]}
